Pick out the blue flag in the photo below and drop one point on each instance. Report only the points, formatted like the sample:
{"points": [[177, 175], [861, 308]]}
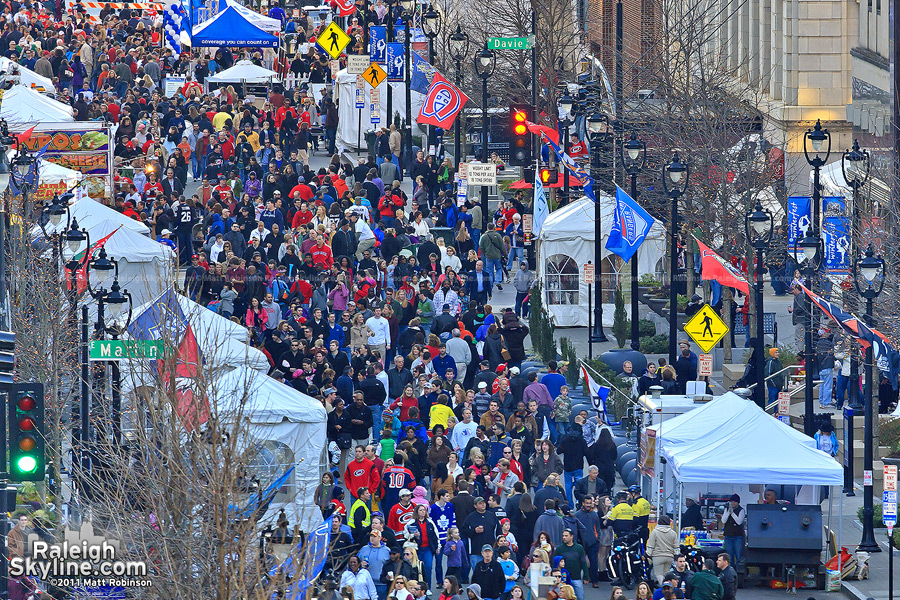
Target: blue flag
{"points": [[162, 320], [577, 171], [396, 62], [377, 43], [630, 226], [311, 559], [541, 207], [422, 74]]}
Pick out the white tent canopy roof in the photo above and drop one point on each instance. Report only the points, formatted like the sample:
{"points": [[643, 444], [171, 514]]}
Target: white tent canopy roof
{"points": [[89, 212], [27, 77], [748, 446], [128, 244], [262, 399], [245, 71], [569, 233], [23, 107], [260, 20]]}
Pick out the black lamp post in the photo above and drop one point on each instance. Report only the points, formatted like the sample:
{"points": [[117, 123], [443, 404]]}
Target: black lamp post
{"points": [[816, 149], [855, 166], [675, 177], [634, 154], [431, 22], [459, 49], [872, 272], [759, 226], [567, 105], [485, 61], [598, 128]]}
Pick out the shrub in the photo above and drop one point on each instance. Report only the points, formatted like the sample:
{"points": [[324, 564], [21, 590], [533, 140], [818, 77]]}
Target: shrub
{"points": [[681, 302], [657, 344], [573, 370], [540, 326], [648, 280], [621, 327], [646, 328], [877, 522], [889, 435]]}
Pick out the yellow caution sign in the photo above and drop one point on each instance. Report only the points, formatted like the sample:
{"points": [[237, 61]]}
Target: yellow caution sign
{"points": [[374, 75], [333, 40], [706, 328]]}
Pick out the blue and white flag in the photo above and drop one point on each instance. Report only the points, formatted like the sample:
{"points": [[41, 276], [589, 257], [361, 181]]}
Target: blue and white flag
{"points": [[377, 43], [396, 62], [422, 74], [799, 218], [630, 226], [541, 206], [311, 559], [578, 172]]}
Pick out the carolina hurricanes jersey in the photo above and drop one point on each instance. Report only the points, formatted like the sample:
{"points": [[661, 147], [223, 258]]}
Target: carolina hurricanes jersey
{"points": [[399, 517], [361, 474], [393, 480]]}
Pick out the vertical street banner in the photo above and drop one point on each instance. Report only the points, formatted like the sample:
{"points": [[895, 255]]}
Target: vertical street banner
{"points": [[836, 237], [799, 219], [377, 43], [395, 62]]}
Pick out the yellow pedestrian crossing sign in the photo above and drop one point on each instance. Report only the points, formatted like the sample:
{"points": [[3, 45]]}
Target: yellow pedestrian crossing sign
{"points": [[706, 328], [374, 75], [333, 40]]}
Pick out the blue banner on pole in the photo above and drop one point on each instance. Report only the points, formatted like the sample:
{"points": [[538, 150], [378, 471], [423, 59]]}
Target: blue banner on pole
{"points": [[799, 219], [377, 43], [836, 236], [395, 62]]}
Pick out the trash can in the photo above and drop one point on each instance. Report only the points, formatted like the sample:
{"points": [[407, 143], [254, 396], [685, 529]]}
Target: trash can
{"points": [[444, 232]]}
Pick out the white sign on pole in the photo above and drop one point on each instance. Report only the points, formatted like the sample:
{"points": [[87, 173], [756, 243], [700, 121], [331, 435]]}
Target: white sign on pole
{"points": [[374, 95], [173, 85], [867, 478], [784, 403], [705, 367], [360, 82], [482, 174], [889, 507], [890, 478], [463, 170], [588, 274], [462, 189], [357, 63], [360, 99]]}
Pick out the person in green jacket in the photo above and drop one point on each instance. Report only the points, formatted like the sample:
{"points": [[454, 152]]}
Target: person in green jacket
{"points": [[425, 312], [705, 585], [493, 251]]}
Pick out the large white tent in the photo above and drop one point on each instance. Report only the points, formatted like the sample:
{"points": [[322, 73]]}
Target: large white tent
{"points": [[244, 71], [566, 243], [23, 107], [260, 20], [354, 122], [146, 267], [287, 428], [27, 77], [89, 213]]}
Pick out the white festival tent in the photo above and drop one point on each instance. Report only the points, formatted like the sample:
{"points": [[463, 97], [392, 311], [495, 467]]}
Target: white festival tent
{"points": [[89, 212], [287, 428], [566, 243], [23, 107], [260, 20], [352, 119], [54, 174], [244, 71], [27, 77]]}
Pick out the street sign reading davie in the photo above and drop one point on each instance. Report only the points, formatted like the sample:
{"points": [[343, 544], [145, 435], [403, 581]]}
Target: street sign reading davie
{"points": [[125, 349], [511, 43]]}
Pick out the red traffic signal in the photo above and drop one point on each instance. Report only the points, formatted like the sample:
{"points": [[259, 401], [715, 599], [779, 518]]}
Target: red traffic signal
{"points": [[520, 138]]}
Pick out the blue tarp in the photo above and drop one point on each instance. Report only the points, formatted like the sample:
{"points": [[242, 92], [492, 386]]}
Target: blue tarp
{"points": [[230, 28]]}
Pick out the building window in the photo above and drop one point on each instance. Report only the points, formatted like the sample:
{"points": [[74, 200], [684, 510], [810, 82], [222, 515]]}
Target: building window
{"points": [[562, 280]]}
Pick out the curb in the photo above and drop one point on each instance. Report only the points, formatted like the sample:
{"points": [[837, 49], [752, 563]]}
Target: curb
{"points": [[850, 591]]}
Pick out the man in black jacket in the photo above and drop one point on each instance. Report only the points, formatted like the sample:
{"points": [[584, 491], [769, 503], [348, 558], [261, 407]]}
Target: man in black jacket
{"points": [[398, 377], [479, 528], [360, 420], [374, 396], [488, 574], [343, 242], [727, 575], [463, 502]]}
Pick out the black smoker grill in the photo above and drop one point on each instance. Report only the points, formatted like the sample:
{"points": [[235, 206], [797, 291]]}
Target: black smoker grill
{"points": [[784, 535]]}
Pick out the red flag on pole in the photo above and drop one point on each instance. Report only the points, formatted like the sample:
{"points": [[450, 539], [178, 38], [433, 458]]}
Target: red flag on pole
{"points": [[715, 268], [538, 129]]}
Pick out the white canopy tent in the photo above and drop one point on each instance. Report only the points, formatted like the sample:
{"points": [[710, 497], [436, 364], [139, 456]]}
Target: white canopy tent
{"points": [[287, 428], [54, 174], [27, 77], [89, 213], [244, 71], [566, 243], [352, 119], [23, 107], [260, 20]]}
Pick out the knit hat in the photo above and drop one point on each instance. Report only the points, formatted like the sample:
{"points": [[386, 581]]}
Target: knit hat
{"points": [[772, 352]]}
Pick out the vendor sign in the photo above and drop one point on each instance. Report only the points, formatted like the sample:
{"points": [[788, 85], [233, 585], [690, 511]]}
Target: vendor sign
{"points": [[81, 148]]}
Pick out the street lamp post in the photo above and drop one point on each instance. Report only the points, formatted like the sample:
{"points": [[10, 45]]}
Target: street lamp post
{"points": [[855, 166], [485, 61], [872, 270], [598, 127], [389, 37], [459, 49], [759, 226], [634, 154], [816, 149], [431, 22], [567, 105], [675, 177]]}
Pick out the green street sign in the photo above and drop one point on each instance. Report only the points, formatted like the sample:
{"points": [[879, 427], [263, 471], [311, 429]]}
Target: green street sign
{"points": [[511, 43], [124, 349]]}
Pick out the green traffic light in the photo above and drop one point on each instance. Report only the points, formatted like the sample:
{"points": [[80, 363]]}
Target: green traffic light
{"points": [[26, 464]]}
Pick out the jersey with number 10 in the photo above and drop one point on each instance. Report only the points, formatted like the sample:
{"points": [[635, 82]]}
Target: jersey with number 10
{"points": [[395, 479]]}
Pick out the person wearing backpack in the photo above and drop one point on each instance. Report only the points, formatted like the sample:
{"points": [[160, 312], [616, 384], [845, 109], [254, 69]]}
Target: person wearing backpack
{"points": [[773, 365]]}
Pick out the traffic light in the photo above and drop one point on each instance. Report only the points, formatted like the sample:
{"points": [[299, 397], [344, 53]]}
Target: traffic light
{"points": [[520, 137], [7, 357], [26, 432], [549, 175]]}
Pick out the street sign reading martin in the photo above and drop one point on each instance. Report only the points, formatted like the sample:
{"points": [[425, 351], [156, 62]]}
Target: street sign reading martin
{"points": [[125, 349]]}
